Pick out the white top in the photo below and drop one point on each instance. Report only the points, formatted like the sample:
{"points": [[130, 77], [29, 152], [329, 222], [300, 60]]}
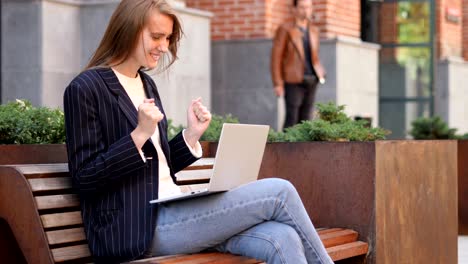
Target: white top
{"points": [[136, 92]]}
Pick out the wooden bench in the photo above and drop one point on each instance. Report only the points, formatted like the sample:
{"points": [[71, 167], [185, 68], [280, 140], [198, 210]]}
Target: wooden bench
{"points": [[38, 204]]}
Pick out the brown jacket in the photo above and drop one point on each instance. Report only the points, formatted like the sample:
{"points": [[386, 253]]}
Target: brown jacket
{"points": [[287, 58]]}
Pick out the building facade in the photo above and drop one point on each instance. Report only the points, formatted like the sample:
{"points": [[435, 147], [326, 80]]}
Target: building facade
{"points": [[242, 31], [390, 60], [46, 43]]}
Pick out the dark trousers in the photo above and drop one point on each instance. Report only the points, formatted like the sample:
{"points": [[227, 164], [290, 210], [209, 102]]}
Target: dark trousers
{"points": [[299, 100]]}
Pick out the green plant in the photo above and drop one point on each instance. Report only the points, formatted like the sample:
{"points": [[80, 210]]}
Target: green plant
{"points": [[21, 123], [432, 128], [332, 113], [332, 124], [173, 130], [212, 133]]}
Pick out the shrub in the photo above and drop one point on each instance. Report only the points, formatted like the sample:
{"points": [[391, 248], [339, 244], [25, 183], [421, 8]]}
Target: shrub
{"points": [[173, 130], [332, 124], [21, 123], [433, 128]]}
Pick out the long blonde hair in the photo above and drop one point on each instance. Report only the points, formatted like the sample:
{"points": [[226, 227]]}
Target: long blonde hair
{"points": [[125, 26]]}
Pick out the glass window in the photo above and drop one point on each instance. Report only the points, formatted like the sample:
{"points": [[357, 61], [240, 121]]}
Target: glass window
{"points": [[405, 72], [406, 63], [397, 116]]}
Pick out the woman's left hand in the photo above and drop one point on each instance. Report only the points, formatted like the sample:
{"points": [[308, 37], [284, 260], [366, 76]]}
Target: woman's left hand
{"points": [[198, 120]]}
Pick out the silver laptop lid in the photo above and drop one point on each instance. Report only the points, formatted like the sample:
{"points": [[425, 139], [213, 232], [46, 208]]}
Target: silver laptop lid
{"points": [[239, 155]]}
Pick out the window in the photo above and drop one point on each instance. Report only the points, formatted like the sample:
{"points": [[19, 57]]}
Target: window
{"points": [[405, 31]]}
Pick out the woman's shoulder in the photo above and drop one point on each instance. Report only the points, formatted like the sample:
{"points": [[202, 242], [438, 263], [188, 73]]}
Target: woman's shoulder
{"points": [[90, 74], [82, 79], [86, 82], [89, 77]]}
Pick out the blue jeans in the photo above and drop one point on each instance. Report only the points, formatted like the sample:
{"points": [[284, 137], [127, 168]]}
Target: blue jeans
{"points": [[265, 220]]}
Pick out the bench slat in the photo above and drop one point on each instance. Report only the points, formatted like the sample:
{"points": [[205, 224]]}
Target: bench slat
{"points": [[50, 184], [214, 257], [70, 253], [28, 169], [57, 201], [61, 219], [338, 237], [194, 174], [66, 236], [347, 250], [201, 164]]}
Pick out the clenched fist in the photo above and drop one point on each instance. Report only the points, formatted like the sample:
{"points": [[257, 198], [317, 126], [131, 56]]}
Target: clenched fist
{"points": [[198, 120], [149, 116]]}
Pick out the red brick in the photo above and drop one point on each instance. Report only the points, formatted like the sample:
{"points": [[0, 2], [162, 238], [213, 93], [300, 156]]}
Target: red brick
{"points": [[244, 19]]}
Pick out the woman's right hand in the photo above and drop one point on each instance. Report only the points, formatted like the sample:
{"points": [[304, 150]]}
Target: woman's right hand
{"points": [[149, 116]]}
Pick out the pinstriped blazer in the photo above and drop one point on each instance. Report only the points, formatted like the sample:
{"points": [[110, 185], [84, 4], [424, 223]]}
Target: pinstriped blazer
{"points": [[114, 184]]}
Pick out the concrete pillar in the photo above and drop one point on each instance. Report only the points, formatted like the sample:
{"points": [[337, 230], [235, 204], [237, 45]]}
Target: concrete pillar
{"points": [[450, 93], [21, 50], [46, 43]]}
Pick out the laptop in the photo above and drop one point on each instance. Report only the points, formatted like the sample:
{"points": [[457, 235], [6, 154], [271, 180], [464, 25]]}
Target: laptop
{"points": [[237, 162]]}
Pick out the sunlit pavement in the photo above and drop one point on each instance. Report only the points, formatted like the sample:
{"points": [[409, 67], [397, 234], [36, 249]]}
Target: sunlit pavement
{"points": [[463, 250]]}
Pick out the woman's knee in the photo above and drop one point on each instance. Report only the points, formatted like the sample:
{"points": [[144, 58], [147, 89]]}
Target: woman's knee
{"points": [[280, 185]]}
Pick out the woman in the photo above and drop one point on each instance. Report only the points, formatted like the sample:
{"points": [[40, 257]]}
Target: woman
{"points": [[120, 158]]}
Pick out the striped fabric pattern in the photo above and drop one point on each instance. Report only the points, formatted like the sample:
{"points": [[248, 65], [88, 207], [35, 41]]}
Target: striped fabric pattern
{"points": [[114, 184]]}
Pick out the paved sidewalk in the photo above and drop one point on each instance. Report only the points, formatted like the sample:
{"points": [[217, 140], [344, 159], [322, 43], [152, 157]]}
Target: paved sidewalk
{"points": [[463, 250]]}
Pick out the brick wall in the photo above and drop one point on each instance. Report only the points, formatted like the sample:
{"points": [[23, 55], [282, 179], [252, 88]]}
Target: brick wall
{"points": [[234, 19], [449, 34], [388, 30], [465, 29], [277, 12], [248, 19], [339, 17]]}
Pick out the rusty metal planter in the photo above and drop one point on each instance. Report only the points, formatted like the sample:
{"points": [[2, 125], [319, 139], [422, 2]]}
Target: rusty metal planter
{"points": [[401, 196], [463, 187]]}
